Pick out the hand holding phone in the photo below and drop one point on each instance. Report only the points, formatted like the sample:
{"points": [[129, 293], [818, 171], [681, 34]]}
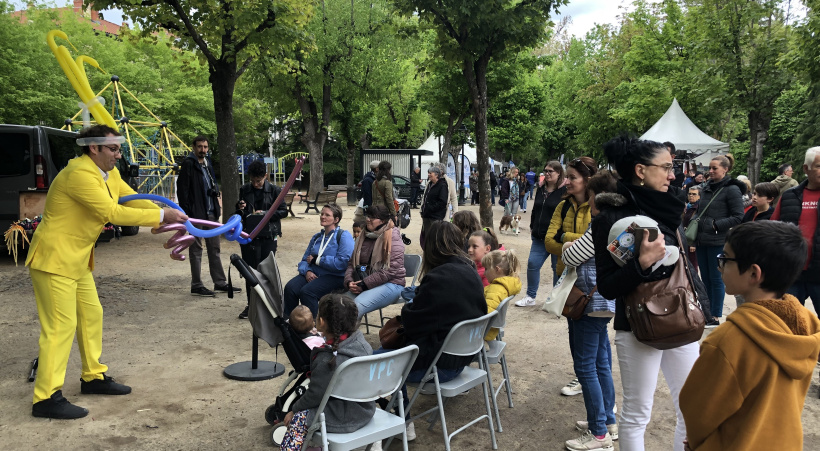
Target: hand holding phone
{"points": [[639, 236]]}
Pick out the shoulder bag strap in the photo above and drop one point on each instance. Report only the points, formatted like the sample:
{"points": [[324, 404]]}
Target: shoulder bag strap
{"points": [[700, 214], [683, 255]]}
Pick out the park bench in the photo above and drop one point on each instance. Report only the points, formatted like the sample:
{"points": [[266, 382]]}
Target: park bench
{"points": [[337, 187], [289, 203], [322, 198]]}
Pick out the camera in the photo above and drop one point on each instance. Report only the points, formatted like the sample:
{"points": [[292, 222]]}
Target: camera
{"points": [[213, 192]]}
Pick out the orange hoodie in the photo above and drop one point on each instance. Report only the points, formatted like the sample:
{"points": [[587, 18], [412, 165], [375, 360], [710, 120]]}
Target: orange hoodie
{"points": [[747, 389]]}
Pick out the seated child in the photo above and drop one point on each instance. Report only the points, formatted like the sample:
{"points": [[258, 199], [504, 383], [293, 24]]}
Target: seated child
{"points": [[482, 242], [762, 199], [356, 230], [301, 321], [502, 274], [467, 222], [337, 320], [746, 390]]}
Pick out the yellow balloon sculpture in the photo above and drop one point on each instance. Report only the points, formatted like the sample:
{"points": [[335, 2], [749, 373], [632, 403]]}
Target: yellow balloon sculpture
{"points": [[75, 72]]}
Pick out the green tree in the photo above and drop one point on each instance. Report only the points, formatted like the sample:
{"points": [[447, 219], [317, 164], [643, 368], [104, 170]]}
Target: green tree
{"points": [[228, 36], [747, 41], [469, 34]]}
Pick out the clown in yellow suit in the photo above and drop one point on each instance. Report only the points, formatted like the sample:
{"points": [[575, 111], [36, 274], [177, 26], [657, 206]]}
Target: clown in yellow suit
{"points": [[81, 200]]}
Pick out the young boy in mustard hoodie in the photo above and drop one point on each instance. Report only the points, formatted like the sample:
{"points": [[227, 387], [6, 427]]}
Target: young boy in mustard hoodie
{"points": [[746, 390]]}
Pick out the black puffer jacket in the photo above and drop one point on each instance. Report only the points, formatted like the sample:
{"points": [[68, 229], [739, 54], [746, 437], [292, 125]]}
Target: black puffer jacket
{"points": [[435, 201], [191, 189], [615, 282], [723, 214], [542, 209]]}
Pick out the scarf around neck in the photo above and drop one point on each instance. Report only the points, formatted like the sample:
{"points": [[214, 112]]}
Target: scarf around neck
{"points": [[661, 206], [384, 240]]}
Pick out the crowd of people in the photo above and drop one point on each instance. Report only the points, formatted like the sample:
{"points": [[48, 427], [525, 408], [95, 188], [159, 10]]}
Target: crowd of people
{"points": [[743, 387]]}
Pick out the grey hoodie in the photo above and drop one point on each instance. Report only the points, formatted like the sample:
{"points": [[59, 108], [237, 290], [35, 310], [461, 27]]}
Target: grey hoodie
{"points": [[340, 416]]}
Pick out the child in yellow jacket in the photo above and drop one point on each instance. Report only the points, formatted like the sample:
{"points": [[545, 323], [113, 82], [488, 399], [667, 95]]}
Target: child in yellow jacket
{"points": [[501, 270], [746, 390]]}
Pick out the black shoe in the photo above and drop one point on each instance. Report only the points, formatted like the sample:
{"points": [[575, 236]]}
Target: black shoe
{"points": [[224, 288], [711, 324], [244, 314], [58, 407], [202, 291], [104, 386]]}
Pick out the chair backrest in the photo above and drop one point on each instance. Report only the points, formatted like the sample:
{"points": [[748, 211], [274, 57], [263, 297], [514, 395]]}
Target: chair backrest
{"points": [[412, 264], [362, 379], [467, 337], [500, 320]]}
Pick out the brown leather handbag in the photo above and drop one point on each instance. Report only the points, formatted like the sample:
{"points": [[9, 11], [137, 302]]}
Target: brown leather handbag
{"points": [[665, 314], [391, 335], [577, 302]]}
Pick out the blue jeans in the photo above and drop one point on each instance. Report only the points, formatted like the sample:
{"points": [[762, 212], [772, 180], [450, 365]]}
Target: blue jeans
{"points": [[802, 290], [523, 201], [708, 264], [376, 297], [416, 375], [593, 368], [298, 290], [529, 191], [538, 255]]}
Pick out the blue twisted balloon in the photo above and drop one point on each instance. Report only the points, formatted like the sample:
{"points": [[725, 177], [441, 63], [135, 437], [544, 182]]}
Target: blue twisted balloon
{"points": [[232, 229]]}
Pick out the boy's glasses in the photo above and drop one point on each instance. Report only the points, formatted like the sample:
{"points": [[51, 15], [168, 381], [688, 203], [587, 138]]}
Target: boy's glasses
{"points": [[722, 259]]}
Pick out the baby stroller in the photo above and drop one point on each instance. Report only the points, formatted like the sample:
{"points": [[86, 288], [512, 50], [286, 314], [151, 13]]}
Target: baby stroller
{"points": [[265, 310]]}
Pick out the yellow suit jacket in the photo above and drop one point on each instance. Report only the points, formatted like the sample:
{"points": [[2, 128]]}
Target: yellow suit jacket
{"points": [[78, 206]]}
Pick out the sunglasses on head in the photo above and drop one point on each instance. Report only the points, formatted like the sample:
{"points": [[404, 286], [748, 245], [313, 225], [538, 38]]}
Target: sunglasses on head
{"points": [[578, 161]]}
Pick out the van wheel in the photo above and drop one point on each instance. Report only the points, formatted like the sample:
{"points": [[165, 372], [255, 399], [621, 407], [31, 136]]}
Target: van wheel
{"points": [[129, 230]]}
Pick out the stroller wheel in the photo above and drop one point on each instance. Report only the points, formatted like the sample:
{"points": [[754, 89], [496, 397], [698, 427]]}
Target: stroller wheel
{"points": [[277, 434], [270, 415]]}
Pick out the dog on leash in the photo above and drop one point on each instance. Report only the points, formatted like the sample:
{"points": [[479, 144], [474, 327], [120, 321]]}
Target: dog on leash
{"points": [[510, 222]]}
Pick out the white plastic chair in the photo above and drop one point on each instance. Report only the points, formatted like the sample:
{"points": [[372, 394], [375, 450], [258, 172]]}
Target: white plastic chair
{"points": [[495, 355], [465, 339], [363, 379], [412, 265]]}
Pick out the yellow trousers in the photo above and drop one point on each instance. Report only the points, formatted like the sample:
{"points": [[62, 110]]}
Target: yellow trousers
{"points": [[66, 305]]}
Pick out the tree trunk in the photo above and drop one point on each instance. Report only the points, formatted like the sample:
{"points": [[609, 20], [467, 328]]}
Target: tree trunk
{"points": [[223, 80], [453, 124], [758, 135], [315, 133], [476, 74]]}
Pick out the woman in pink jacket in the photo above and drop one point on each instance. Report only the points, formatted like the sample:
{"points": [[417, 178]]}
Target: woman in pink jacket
{"points": [[375, 274]]}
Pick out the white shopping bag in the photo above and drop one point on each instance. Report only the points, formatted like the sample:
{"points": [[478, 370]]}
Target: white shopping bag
{"points": [[558, 296]]}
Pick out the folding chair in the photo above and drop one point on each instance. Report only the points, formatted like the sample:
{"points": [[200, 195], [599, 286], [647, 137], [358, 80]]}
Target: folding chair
{"points": [[412, 265], [385, 374], [465, 339], [495, 355]]}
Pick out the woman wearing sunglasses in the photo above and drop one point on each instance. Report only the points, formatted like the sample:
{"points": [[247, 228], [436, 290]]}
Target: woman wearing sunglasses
{"points": [[646, 171]]}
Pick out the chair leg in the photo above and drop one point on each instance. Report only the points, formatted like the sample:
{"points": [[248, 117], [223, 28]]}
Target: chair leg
{"points": [[507, 382], [441, 413], [487, 403], [485, 365], [381, 317], [366, 324]]}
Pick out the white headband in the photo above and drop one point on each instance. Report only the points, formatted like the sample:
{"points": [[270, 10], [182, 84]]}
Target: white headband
{"points": [[100, 140]]}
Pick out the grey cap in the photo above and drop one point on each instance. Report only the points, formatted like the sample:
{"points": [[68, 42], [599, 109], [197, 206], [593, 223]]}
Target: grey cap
{"points": [[374, 164]]}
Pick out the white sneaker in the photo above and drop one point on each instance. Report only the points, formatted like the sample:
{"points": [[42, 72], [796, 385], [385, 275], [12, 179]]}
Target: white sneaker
{"points": [[572, 389], [588, 441], [376, 446], [411, 431], [583, 426], [525, 302]]}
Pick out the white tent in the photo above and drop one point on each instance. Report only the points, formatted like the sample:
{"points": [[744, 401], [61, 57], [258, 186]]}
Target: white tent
{"points": [[674, 126], [469, 153]]}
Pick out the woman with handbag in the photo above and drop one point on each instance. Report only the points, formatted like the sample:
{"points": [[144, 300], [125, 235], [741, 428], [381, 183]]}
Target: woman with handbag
{"points": [[646, 171], [590, 313], [569, 221], [375, 274], [548, 194], [721, 209]]}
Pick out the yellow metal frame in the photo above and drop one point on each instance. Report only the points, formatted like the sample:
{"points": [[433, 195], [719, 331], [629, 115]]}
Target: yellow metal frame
{"points": [[279, 167]]}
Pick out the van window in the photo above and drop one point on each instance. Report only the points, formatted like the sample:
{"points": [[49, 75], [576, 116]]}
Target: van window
{"points": [[15, 155], [63, 148]]}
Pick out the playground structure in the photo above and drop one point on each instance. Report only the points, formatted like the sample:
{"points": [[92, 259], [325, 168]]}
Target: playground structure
{"points": [[278, 166], [149, 142]]}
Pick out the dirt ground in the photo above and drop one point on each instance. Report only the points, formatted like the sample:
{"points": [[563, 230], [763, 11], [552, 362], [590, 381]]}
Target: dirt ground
{"points": [[172, 347]]}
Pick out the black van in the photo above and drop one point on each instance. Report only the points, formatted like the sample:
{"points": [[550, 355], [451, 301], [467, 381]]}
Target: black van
{"points": [[30, 158]]}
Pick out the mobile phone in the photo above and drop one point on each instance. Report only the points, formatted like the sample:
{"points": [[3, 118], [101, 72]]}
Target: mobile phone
{"points": [[653, 235]]}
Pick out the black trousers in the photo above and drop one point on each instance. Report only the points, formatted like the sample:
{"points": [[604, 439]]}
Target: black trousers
{"points": [[254, 252]]}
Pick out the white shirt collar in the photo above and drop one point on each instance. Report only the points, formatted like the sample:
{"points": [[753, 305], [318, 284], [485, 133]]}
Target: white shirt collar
{"points": [[104, 174]]}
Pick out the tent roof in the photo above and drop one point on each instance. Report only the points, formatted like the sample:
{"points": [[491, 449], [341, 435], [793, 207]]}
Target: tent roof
{"points": [[674, 126]]}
